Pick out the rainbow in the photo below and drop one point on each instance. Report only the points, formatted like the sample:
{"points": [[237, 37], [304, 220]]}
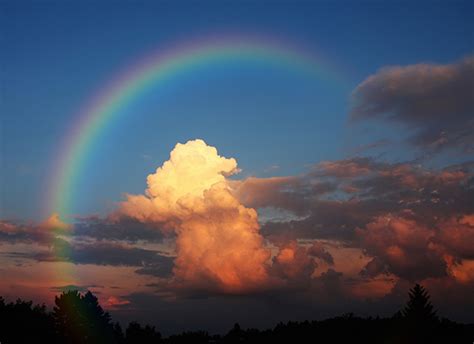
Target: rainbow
{"points": [[159, 67]]}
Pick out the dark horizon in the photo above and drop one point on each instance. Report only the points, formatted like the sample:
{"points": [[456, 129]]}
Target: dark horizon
{"points": [[78, 318]]}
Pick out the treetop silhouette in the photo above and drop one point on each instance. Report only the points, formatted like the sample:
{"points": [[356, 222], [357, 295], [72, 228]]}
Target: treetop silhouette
{"points": [[79, 319], [419, 308]]}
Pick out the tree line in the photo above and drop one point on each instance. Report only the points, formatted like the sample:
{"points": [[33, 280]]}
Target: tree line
{"points": [[78, 318]]}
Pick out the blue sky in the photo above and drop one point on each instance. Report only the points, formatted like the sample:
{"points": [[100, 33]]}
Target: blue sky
{"points": [[56, 54]]}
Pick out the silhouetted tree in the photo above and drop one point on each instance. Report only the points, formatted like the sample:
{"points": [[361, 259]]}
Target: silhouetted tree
{"points": [[195, 337], [80, 319], [235, 335], [118, 333], [21, 322], [135, 333], [419, 308], [419, 319]]}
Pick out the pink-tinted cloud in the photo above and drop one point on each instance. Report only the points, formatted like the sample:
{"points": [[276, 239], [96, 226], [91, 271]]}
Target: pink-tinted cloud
{"points": [[293, 263], [318, 250], [343, 168], [403, 245], [457, 236], [43, 232], [116, 301], [269, 192], [357, 229], [413, 250], [218, 244]]}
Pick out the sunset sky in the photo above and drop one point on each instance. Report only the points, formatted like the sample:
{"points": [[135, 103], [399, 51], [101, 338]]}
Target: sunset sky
{"points": [[200, 163]]}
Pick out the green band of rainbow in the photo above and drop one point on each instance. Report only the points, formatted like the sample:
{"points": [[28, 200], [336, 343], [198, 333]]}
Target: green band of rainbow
{"points": [[157, 68]]}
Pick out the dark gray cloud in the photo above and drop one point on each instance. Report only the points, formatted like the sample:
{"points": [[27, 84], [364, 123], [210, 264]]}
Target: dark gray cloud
{"points": [[81, 288], [13, 232], [403, 217], [161, 268], [93, 227], [366, 188], [346, 201], [371, 202], [119, 228], [293, 265], [92, 240], [403, 247], [318, 250], [435, 101], [102, 253], [278, 192]]}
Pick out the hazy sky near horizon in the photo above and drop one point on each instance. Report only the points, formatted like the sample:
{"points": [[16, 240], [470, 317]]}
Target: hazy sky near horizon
{"points": [[287, 193]]}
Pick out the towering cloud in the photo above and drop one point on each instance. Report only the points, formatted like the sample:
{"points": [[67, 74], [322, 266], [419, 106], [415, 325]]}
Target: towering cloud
{"points": [[218, 242]]}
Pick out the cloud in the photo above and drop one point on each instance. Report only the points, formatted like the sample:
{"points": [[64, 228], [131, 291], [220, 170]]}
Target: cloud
{"points": [[54, 222], [110, 228], [344, 168], [462, 271], [434, 100], [257, 192], [290, 193], [364, 189], [457, 236], [318, 250], [211, 228], [218, 244], [293, 264], [179, 183], [81, 288], [350, 230], [402, 246], [101, 253], [42, 233], [329, 285], [410, 222], [116, 302], [405, 246], [163, 268], [114, 228]]}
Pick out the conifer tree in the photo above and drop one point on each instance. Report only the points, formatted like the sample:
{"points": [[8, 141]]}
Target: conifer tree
{"points": [[419, 308]]}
